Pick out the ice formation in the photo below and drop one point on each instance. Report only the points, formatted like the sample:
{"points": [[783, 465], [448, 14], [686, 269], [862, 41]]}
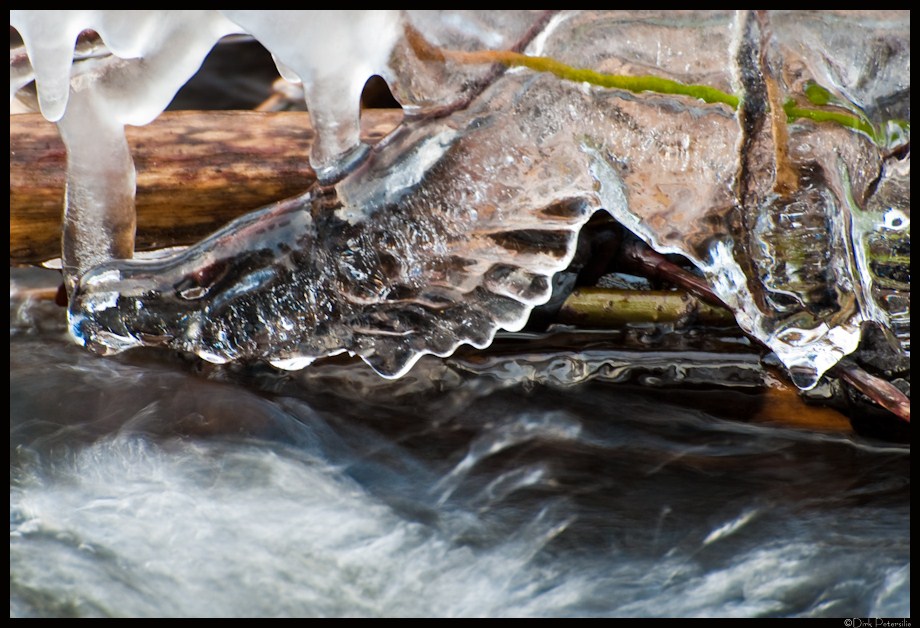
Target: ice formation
{"points": [[125, 70], [770, 149]]}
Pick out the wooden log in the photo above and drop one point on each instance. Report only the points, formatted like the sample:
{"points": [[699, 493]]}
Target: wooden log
{"points": [[196, 171]]}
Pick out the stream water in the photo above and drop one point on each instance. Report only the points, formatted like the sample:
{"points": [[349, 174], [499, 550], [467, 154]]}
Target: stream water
{"points": [[140, 486]]}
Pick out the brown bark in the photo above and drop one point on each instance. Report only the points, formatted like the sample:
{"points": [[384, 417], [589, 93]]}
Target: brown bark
{"points": [[195, 172]]}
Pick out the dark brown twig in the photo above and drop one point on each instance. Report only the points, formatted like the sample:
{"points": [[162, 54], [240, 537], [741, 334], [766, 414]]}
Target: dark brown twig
{"points": [[638, 257]]}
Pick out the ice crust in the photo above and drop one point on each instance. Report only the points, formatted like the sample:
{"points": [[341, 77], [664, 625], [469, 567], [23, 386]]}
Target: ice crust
{"points": [[453, 227]]}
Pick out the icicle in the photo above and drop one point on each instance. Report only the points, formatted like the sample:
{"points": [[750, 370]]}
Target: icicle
{"points": [[152, 55], [332, 53]]}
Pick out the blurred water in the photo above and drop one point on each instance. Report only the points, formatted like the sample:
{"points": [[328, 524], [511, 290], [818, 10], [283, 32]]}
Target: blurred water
{"points": [[140, 486]]}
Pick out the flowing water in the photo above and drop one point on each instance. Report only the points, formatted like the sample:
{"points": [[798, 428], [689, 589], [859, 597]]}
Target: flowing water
{"points": [[141, 485]]}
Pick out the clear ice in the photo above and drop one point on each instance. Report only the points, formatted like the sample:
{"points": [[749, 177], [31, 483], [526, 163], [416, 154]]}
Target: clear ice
{"points": [[91, 89], [453, 226]]}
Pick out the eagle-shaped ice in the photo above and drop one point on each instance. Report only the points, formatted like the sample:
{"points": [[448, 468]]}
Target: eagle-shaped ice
{"points": [[453, 226]]}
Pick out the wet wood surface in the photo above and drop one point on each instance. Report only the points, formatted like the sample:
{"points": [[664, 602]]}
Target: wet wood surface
{"points": [[196, 171]]}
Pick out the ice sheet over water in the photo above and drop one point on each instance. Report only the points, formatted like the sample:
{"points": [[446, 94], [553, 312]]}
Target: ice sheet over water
{"points": [[452, 228]]}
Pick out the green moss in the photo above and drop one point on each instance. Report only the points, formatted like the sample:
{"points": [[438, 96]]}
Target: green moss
{"points": [[848, 120], [816, 94], [634, 84]]}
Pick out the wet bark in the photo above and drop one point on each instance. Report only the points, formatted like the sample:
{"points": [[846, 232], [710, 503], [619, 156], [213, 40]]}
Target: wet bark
{"points": [[196, 171]]}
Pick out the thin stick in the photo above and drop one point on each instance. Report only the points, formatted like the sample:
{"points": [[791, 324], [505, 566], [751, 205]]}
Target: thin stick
{"points": [[608, 307]]}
